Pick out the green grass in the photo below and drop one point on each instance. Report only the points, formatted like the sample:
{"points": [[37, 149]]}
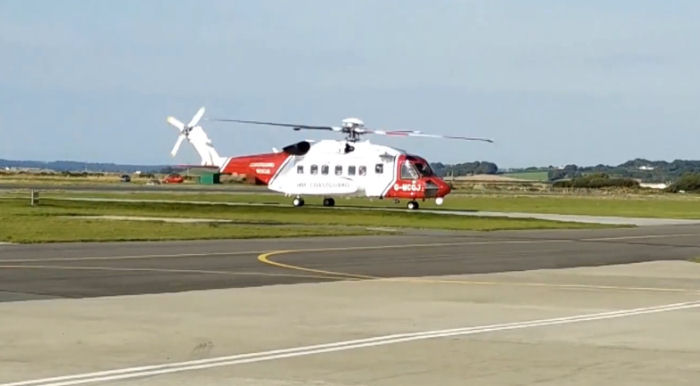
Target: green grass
{"points": [[58, 220], [530, 176], [624, 205]]}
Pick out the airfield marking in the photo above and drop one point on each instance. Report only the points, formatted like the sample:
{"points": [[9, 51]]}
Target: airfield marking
{"points": [[641, 237], [164, 270], [239, 359], [206, 254], [265, 258], [132, 257]]}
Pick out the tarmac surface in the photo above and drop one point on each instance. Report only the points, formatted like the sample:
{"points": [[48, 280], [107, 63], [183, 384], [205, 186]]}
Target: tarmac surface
{"points": [[76, 270], [547, 307]]}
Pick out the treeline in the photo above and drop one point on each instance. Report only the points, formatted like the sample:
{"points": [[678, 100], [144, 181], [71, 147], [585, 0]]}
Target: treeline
{"points": [[597, 181], [687, 183], [641, 169], [464, 169]]}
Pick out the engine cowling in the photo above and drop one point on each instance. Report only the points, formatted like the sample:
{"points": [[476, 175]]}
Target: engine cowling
{"points": [[299, 148]]}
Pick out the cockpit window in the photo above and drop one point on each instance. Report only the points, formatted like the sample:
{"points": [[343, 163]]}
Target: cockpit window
{"points": [[408, 172], [424, 169]]}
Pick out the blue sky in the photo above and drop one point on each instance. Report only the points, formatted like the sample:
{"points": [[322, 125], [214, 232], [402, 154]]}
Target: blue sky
{"points": [[553, 82]]}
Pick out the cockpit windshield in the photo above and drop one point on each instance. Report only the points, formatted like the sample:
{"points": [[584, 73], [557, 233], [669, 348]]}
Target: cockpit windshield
{"points": [[414, 168], [408, 171], [421, 166], [424, 169]]}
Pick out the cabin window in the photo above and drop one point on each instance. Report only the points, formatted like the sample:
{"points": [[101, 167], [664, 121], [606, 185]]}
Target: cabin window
{"points": [[324, 169], [338, 170], [379, 168], [351, 170], [300, 169], [362, 170], [314, 169]]}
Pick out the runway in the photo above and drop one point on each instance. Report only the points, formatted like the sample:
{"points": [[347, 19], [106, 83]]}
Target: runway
{"points": [[75, 270], [612, 306]]}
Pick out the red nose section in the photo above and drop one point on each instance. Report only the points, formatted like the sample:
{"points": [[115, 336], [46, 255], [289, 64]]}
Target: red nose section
{"points": [[443, 188]]}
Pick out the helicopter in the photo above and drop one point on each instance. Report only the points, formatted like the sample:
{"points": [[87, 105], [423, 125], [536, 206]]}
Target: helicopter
{"points": [[327, 168]]}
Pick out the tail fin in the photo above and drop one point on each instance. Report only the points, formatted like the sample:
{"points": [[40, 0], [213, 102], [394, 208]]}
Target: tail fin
{"points": [[202, 144], [196, 136]]}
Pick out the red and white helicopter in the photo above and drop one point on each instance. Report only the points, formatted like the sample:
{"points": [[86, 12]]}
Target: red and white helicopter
{"points": [[328, 168]]}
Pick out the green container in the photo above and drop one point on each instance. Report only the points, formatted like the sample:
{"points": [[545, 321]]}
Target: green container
{"points": [[209, 178]]}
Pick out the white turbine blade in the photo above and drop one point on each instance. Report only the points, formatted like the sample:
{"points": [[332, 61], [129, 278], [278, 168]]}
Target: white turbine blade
{"points": [[177, 145], [197, 117], [176, 123]]}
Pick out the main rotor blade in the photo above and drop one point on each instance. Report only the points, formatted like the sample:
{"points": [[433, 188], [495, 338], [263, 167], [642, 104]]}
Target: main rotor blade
{"points": [[197, 117], [180, 138], [292, 125], [416, 133], [175, 122]]}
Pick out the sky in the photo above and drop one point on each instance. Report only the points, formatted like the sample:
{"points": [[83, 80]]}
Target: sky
{"points": [[553, 82]]}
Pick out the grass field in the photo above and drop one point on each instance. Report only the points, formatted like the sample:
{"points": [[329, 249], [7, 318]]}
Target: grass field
{"points": [[60, 220], [530, 176], [624, 205]]}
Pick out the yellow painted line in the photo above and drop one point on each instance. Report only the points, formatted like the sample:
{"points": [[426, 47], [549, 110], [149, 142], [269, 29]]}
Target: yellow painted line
{"points": [[265, 258], [164, 270]]}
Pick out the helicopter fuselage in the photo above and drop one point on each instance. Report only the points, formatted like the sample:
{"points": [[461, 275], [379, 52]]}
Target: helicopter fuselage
{"points": [[339, 168]]}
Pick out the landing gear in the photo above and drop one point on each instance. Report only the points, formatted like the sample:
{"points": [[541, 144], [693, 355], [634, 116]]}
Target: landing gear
{"points": [[412, 205], [328, 202], [298, 201]]}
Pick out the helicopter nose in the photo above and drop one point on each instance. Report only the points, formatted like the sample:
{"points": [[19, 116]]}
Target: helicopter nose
{"points": [[443, 188]]}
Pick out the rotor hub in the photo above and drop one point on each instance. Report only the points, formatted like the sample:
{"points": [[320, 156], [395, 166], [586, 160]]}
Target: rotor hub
{"points": [[353, 127]]}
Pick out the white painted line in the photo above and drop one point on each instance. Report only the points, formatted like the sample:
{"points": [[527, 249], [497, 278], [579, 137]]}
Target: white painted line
{"points": [[144, 371], [207, 254], [391, 246], [129, 257], [179, 220], [643, 237], [162, 270]]}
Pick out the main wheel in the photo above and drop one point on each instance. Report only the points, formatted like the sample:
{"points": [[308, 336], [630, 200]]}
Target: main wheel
{"points": [[298, 202], [328, 202], [412, 205]]}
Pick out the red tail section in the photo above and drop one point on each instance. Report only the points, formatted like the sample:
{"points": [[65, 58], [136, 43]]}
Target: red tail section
{"points": [[258, 168]]}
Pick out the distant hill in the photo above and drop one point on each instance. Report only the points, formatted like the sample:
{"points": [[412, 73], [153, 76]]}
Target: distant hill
{"points": [[641, 169], [76, 166]]}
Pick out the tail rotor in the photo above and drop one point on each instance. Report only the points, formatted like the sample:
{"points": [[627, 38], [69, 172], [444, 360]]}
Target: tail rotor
{"points": [[184, 130]]}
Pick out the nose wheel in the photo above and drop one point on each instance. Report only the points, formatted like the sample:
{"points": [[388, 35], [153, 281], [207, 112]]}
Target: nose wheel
{"points": [[328, 202], [412, 205], [298, 201]]}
